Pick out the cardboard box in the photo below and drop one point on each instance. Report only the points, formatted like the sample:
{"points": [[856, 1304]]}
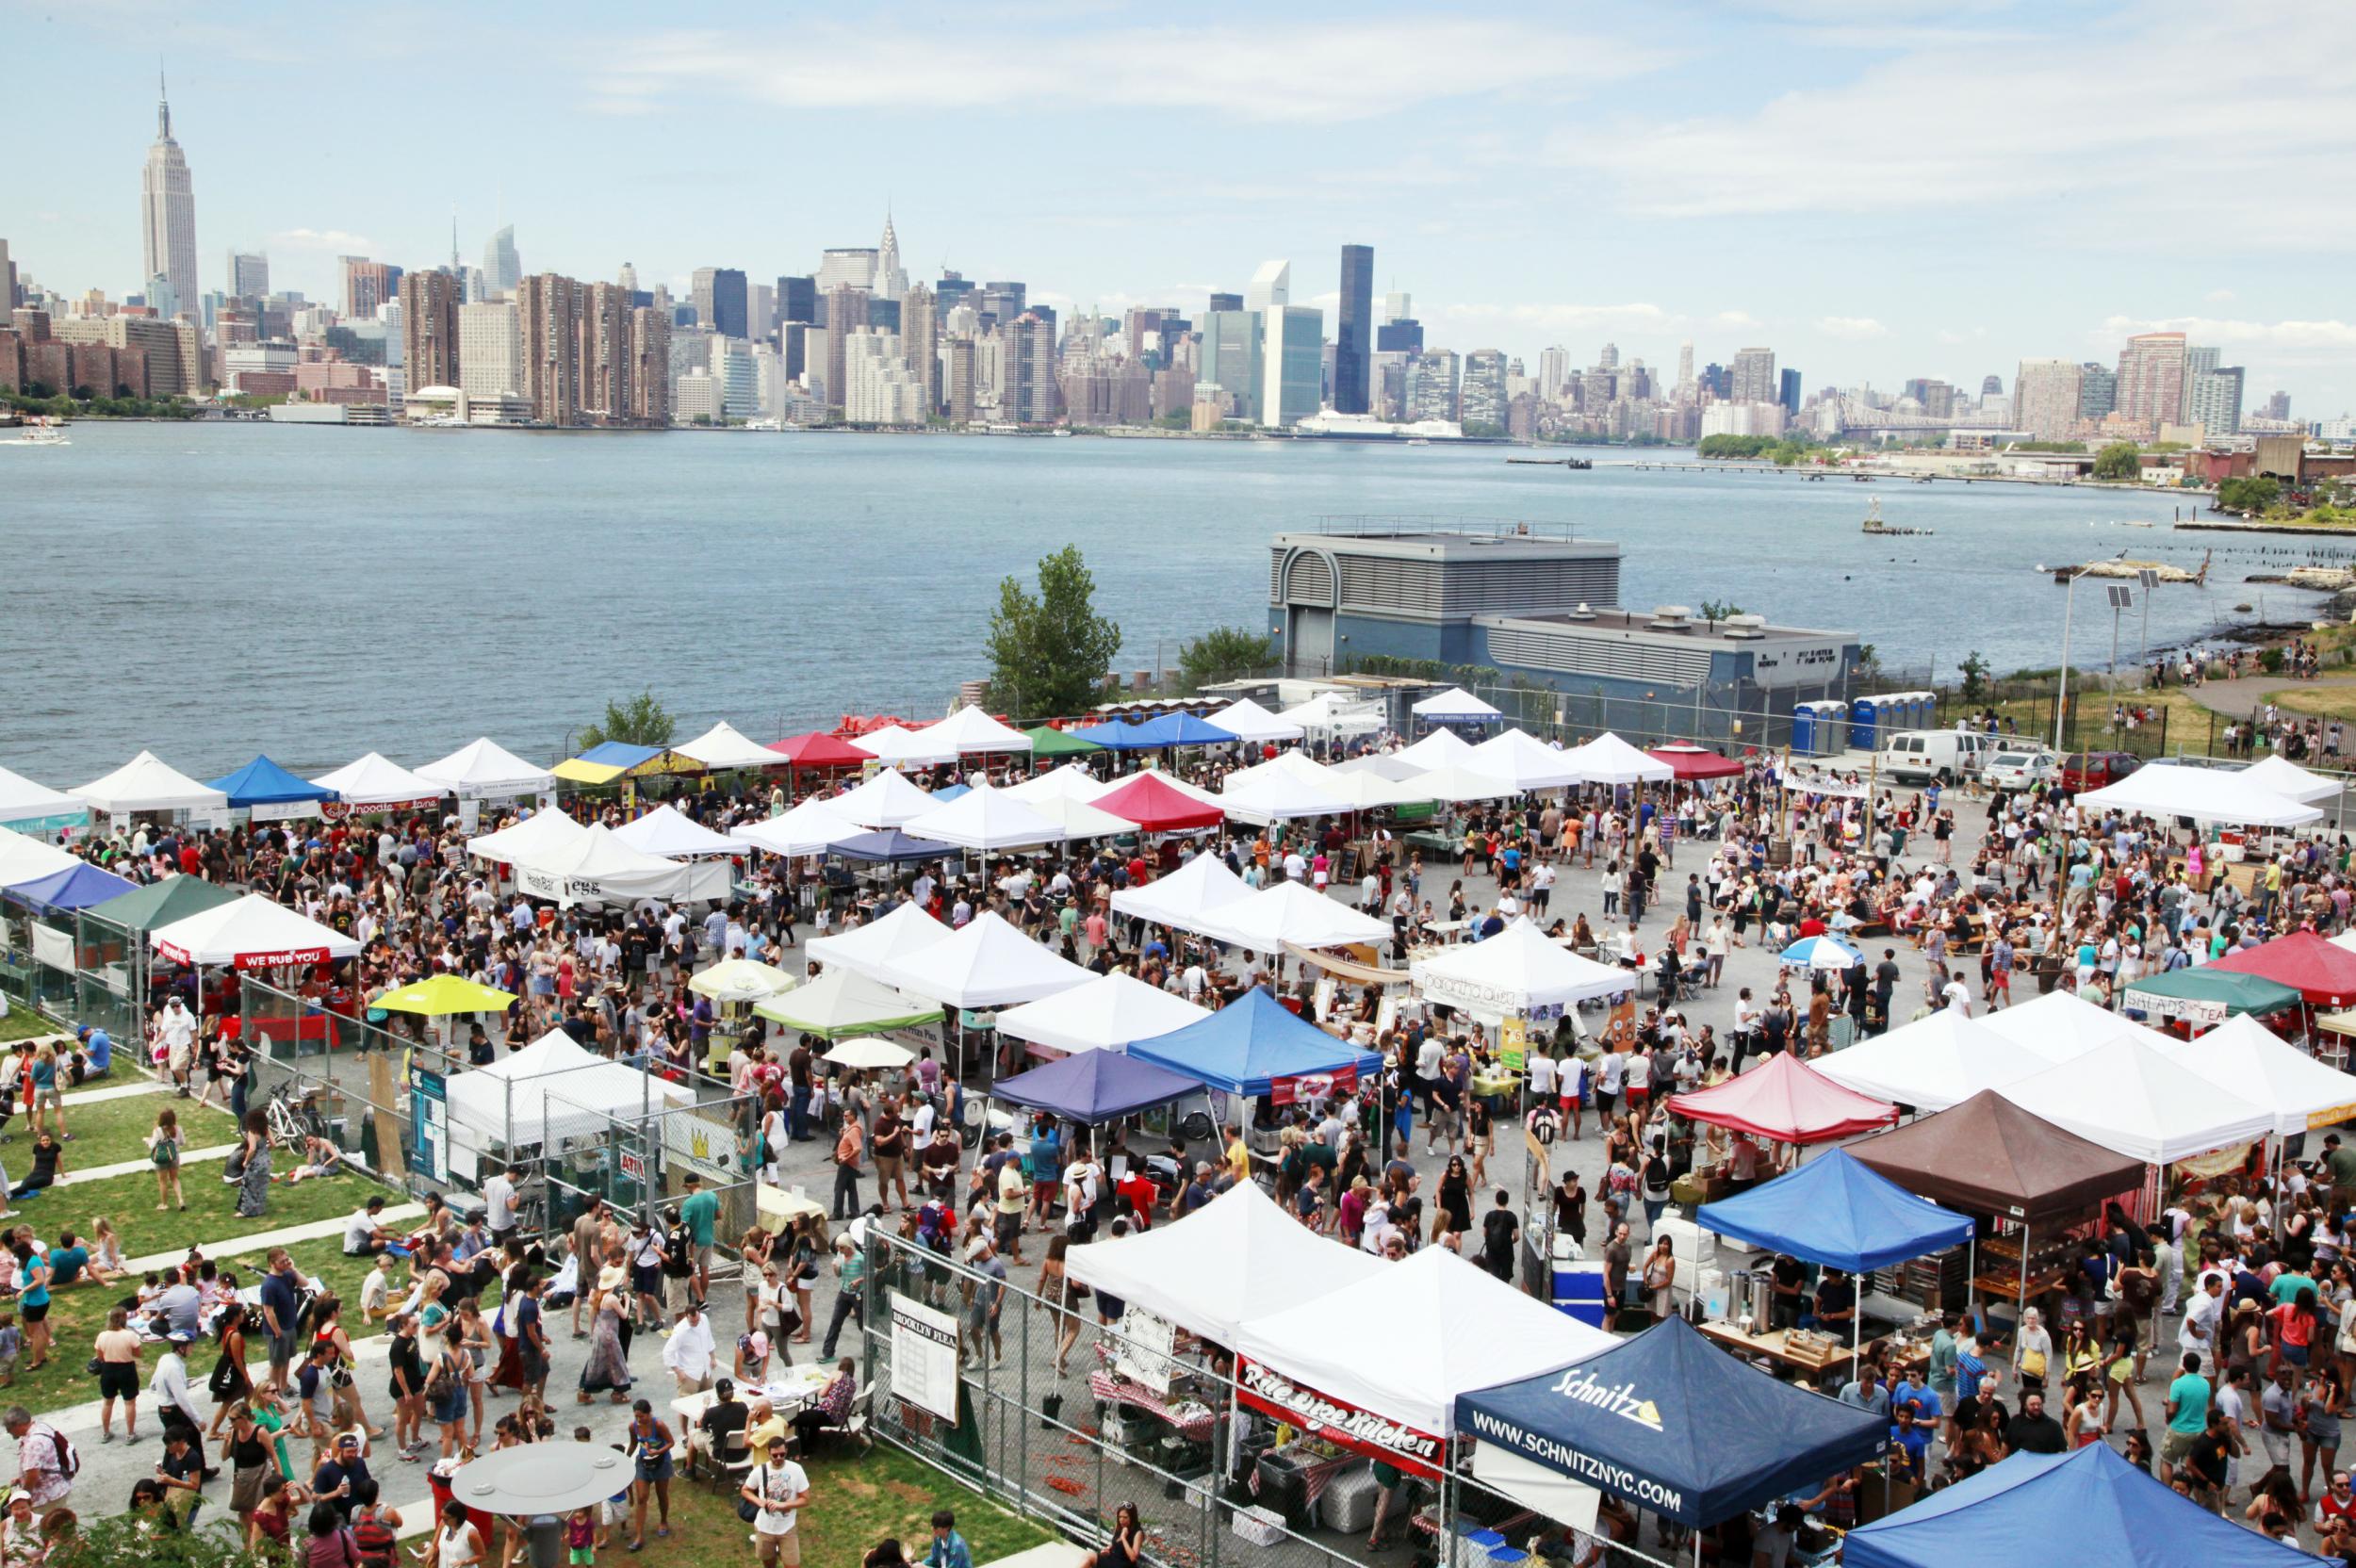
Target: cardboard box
{"points": [[1260, 1526]]}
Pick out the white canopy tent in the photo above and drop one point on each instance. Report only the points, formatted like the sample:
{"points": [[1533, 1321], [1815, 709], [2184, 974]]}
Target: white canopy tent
{"points": [[1461, 781], [377, 780], [550, 1090], [1103, 1015], [1237, 1259], [1440, 749], [813, 827], [148, 783], [1288, 912], [2245, 1059], [2062, 1026], [1405, 1341], [986, 819], [668, 832], [538, 835], [2203, 794], [845, 1002], [1291, 764], [970, 730], [873, 948], [2280, 775], [1455, 705], [252, 932], [27, 804], [986, 964], [1072, 781], [1366, 789], [1184, 896], [485, 770], [894, 744], [1320, 712], [1609, 759], [2128, 1097], [1523, 761], [1248, 721], [887, 799], [1382, 765], [1277, 796], [26, 859], [1932, 1063], [1518, 971], [599, 868], [723, 747]]}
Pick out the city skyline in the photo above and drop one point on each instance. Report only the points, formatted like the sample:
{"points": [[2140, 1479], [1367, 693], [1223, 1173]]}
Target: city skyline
{"points": [[1857, 279]]}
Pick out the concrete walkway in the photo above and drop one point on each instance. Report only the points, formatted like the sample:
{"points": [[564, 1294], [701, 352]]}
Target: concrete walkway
{"points": [[113, 1091], [2241, 697], [132, 1168], [262, 1241]]}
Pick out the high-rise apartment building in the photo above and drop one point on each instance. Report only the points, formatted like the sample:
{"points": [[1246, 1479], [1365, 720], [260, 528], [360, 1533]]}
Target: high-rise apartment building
{"points": [[249, 276], [797, 300], [1481, 398], [1608, 358], [368, 287], [1230, 359], [1354, 331], [1401, 334], [429, 329], [550, 306], [2097, 390], [1003, 301], [168, 211], [719, 299], [920, 343], [2214, 402], [960, 390], [2277, 407], [882, 386], [502, 269], [2151, 379], [1028, 394], [8, 279], [760, 312], [1788, 389], [846, 313], [649, 366], [852, 266], [1685, 366], [1554, 371], [490, 350], [607, 355], [1431, 385], [2045, 397], [1753, 374]]}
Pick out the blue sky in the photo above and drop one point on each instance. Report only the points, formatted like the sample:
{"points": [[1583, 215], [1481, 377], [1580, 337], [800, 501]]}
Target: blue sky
{"points": [[1876, 188]]}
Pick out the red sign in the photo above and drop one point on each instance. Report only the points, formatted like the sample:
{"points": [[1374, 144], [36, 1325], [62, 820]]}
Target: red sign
{"points": [[284, 958], [1362, 1432], [1313, 1085]]}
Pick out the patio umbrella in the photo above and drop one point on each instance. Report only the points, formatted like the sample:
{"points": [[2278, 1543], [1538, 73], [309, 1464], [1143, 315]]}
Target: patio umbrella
{"points": [[1818, 952], [444, 994], [740, 980], [869, 1051]]}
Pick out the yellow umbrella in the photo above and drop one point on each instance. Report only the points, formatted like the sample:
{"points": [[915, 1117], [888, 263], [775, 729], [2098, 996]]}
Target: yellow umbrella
{"points": [[442, 995], [740, 980]]}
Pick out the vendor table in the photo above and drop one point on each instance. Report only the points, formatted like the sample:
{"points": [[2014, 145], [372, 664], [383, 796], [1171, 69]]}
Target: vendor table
{"points": [[1772, 1345], [1491, 1085], [779, 1209], [1195, 1422], [787, 1394]]}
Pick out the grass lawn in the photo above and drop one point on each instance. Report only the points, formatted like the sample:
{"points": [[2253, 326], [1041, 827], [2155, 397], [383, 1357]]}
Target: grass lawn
{"points": [[129, 1200], [856, 1500], [114, 1131], [2326, 702], [24, 1023]]}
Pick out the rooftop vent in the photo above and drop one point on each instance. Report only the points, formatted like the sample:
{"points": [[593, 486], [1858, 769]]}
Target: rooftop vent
{"points": [[1671, 617], [1745, 627], [1582, 612]]}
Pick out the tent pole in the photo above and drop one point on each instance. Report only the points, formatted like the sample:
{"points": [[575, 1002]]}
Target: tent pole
{"points": [[2021, 1307]]}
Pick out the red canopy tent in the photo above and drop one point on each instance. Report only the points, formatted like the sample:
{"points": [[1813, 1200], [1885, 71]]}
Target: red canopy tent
{"points": [[1788, 1101], [1691, 762], [819, 749], [1157, 808], [2323, 975]]}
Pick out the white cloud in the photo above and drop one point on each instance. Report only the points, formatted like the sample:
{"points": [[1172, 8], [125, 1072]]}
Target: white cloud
{"points": [[1851, 328], [1953, 336], [1736, 318], [2282, 337], [1361, 71], [2219, 296], [340, 242]]}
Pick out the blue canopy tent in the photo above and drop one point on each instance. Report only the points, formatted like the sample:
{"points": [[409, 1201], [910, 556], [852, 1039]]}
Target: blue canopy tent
{"points": [[1254, 1046], [1670, 1422], [263, 782], [1095, 1086], [1166, 729], [77, 887], [2101, 1511], [1118, 736], [892, 845], [948, 792], [1838, 1214]]}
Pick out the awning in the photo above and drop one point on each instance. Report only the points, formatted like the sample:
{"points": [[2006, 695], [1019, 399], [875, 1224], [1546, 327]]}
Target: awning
{"points": [[1151, 802], [1787, 1100], [27, 859], [1519, 970], [375, 783], [1692, 762], [485, 770], [1989, 1156], [871, 948], [669, 832], [611, 759], [969, 731], [1289, 912], [1455, 704], [1440, 749], [1107, 1013], [892, 846], [31, 808], [1256, 1045], [1523, 760], [844, 1002], [2279, 775], [723, 747], [1838, 1212], [264, 783], [148, 783], [886, 799], [810, 828], [252, 932], [598, 867], [2126, 1096], [2325, 975], [1186, 897], [79, 885], [2202, 794], [174, 898], [1609, 759], [1349, 969], [1932, 1063], [543, 833], [2208, 994], [985, 964], [1095, 1086], [1247, 720]]}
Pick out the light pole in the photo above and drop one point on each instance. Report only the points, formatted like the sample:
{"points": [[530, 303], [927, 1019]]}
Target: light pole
{"points": [[2147, 580], [2061, 700], [2122, 597]]}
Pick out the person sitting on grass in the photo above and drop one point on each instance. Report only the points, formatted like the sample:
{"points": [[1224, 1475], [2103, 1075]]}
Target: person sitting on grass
{"points": [[321, 1157]]}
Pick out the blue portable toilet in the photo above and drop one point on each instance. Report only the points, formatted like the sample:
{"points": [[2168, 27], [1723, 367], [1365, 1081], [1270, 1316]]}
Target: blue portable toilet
{"points": [[1864, 717], [1803, 729]]}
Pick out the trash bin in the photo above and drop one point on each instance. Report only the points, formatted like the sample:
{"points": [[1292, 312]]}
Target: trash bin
{"points": [[544, 1538]]}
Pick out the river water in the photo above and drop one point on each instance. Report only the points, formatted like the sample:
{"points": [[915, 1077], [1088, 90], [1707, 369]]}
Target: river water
{"points": [[212, 590]]}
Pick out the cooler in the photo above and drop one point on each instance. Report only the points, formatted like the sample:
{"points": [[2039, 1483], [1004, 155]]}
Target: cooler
{"points": [[1348, 1501], [1284, 1491], [1579, 1290]]}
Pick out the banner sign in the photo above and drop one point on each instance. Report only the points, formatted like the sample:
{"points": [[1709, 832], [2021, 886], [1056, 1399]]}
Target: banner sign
{"points": [[1313, 1085], [429, 1120], [284, 958], [1147, 1344], [2204, 1011], [287, 810], [337, 810], [1490, 1001], [1513, 1043], [924, 1357], [1363, 1432], [53, 947], [1620, 1033], [702, 1144]]}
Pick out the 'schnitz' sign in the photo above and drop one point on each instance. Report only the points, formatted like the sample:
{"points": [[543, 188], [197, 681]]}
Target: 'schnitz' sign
{"points": [[1276, 1395]]}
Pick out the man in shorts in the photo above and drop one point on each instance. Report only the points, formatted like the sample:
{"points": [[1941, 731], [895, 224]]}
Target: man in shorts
{"points": [[2187, 1410], [699, 1213], [778, 1489]]}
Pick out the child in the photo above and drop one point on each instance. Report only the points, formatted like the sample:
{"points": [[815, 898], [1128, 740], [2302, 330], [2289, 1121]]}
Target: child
{"points": [[618, 1506], [163, 1152], [106, 1249], [581, 1538], [12, 1343]]}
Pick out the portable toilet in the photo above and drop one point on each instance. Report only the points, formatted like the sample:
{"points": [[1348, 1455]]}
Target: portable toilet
{"points": [[1804, 729], [1923, 709], [1832, 728], [1864, 717]]}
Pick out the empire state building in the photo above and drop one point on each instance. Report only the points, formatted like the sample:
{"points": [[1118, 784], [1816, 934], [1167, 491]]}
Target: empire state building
{"points": [[168, 219]]}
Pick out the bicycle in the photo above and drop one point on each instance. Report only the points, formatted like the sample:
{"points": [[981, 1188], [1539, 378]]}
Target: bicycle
{"points": [[293, 1118]]}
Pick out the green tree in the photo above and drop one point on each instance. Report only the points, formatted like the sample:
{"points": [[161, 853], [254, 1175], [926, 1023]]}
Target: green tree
{"points": [[1224, 653], [1974, 677], [1049, 652], [639, 721], [2249, 496], [2116, 461], [1714, 610]]}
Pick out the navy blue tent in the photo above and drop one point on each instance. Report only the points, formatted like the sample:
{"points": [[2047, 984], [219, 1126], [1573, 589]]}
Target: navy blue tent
{"points": [[263, 782], [1251, 1045], [892, 845], [1095, 1086], [2091, 1506], [1669, 1421], [1835, 1212], [78, 887]]}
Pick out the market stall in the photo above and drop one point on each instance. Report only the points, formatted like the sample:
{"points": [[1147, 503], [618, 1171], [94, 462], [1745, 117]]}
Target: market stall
{"points": [[1523, 760], [1288, 912], [1106, 1014], [1248, 721], [1047, 742], [1237, 1258], [1785, 1099], [542, 833], [885, 799], [482, 770], [373, 784], [2129, 1097], [599, 868], [2206, 996], [1095, 1087], [2060, 1026], [79, 885], [872, 949], [2244, 1059], [29, 808], [989, 820], [842, 1003], [1442, 748], [724, 748], [1932, 1063], [149, 786], [1454, 706], [267, 793], [1609, 759], [552, 1101], [2165, 790], [2278, 774], [1257, 1047], [23, 858], [1694, 764], [813, 827], [968, 732], [1157, 804], [986, 963], [1186, 897], [257, 933], [2324, 975], [668, 832], [1519, 972], [740, 980], [1276, 795]]}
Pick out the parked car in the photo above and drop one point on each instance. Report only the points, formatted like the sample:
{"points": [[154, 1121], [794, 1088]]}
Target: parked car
{"points": [[2021, 768], [2095, 769], [1919, 756]]}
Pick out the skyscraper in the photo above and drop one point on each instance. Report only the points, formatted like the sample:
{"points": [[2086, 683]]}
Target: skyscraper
{"points": [[1554, 371], [720, 304], [1401, 334], [650, 366], [2046, 397], [1431, 385], [502, 269], [961, 389], [1270, 287], [249, 275], [1685, 365], [607, 355], [2214, 401], [891, 279], [367, 286], [1482, 396], [1230, 359], [1788, 389], [1753, 375], [8, 279], [2278, 406], [2097, 390], [846, 313], [2151, 378], [490, 350], [797, 300], [854, 265], [1397, 306], [1223, 301], [429, 329], [548, 309], [1292, 363], [1353, 333], [168, 211], [919, 342]]}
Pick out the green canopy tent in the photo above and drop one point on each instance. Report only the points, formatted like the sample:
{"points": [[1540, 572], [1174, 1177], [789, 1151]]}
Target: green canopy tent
{"points": [[842, 1003], [111, 986], [2206, 996], [1047, 741]]}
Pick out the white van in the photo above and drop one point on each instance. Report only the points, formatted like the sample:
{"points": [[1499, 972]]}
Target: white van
{"points": [[1950, 756]]}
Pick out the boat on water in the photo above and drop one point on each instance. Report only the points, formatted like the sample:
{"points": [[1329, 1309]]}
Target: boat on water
{"points": [[1874, 524], [42, 433]]}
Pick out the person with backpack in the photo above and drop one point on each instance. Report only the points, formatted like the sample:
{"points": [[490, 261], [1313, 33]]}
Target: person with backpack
{"points": [[47, 1461]]}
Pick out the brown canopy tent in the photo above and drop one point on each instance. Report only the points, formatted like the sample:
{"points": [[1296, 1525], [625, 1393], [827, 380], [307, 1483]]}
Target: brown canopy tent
{"points": [[1988, 1156]]}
